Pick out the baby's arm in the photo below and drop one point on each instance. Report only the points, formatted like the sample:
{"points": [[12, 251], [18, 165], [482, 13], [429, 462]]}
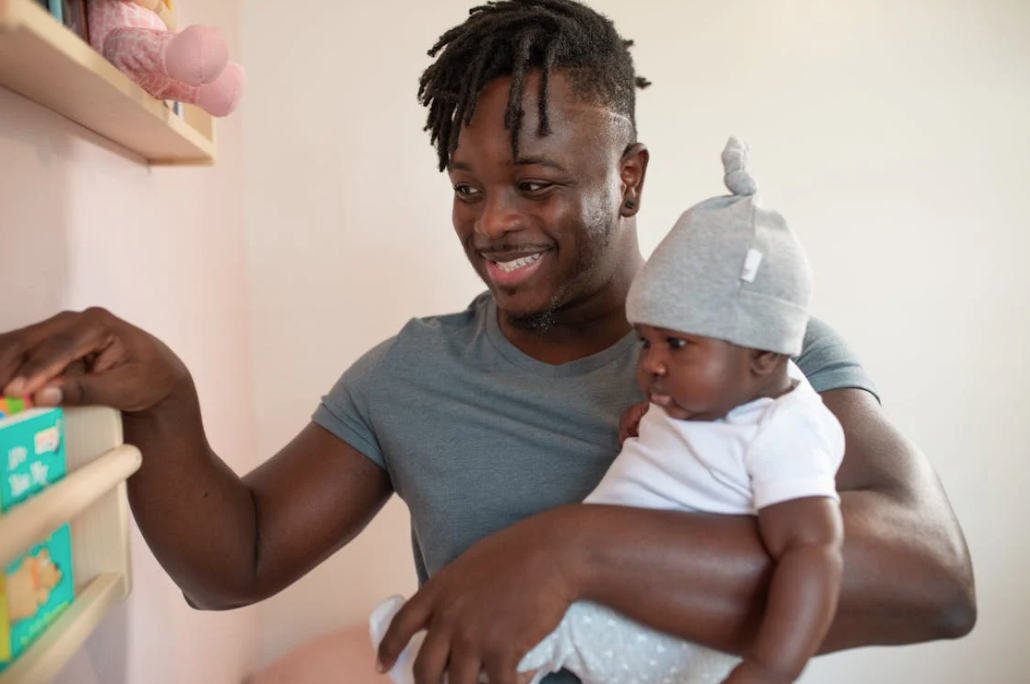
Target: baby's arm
{"points": [[804, 537], [630, 421]]}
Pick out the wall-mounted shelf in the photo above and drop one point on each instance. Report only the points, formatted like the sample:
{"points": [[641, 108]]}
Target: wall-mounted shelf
{"points": [[49, 64], [92, 498]]}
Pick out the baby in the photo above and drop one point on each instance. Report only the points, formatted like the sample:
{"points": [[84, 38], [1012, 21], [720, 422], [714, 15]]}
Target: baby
{"points": [[731, 426]]}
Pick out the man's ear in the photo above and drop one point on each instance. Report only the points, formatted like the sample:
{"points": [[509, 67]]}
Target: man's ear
{"points": [[764, 362], [632, 170]]}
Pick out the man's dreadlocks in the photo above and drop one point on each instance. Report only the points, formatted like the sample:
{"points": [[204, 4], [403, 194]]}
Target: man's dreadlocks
{"points": [[512, 38]]}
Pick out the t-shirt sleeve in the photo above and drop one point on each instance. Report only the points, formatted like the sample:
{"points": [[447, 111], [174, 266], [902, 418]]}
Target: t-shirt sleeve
{"points": [[828, 362], [346, 410], [796, 454]]}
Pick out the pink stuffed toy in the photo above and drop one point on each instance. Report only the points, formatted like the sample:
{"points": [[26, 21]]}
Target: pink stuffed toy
{"points": [[191, 66]]}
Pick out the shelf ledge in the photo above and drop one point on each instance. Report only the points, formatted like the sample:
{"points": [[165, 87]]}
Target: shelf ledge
{"points": [[33, 520], [49, 64], [45, 658]]}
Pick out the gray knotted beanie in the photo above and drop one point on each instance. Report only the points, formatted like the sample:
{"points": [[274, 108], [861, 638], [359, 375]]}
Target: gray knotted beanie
{"points": [[729, 270]]}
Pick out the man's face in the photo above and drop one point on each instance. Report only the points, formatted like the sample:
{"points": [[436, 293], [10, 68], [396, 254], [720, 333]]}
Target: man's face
{"points": [[542, 231], [693, 377]]}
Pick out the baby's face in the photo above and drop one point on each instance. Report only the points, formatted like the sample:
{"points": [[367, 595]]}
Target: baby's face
{"points": [[692, 377]]}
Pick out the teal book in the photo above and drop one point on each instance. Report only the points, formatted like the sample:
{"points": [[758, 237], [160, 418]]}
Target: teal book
{"points": [[57, 10], [37, 586]]}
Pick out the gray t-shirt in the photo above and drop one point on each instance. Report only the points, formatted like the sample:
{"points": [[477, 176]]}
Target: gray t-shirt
{"points": [[475, 435]]}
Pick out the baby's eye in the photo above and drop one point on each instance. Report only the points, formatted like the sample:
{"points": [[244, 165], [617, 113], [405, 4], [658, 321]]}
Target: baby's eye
{"points": [[644, 344], [676, 342]]}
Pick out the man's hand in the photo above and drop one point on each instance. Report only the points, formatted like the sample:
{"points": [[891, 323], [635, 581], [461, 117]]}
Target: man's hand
{"points": [[750, 672], [487, 609], [630, 421], [91, 357]]}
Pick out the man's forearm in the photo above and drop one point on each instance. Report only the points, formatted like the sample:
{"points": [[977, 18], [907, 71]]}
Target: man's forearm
{"points": [[193, 511], [706, 578]]}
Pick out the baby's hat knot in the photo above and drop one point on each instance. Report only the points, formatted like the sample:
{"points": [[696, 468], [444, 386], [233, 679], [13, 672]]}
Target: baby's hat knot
{"points": [[738, 179]]}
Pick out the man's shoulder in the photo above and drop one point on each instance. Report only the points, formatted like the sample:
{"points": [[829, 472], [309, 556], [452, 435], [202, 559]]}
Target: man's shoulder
{"points": [[828, 362], [425, 340], [427, 332], [443, 324], [422, 347]]}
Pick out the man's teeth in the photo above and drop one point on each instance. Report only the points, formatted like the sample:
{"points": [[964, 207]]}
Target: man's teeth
{"points": [[509, 266]]}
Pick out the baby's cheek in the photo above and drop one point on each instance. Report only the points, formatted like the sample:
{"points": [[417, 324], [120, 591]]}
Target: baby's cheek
{"points": [[698, 388]]}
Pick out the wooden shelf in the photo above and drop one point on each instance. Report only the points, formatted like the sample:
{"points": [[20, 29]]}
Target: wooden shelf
{"points": [[92, 499], [39, 516], [49, 64]]}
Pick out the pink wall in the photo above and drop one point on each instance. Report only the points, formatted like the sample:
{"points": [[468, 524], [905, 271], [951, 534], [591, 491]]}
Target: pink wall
{"points": [[83, 224]]}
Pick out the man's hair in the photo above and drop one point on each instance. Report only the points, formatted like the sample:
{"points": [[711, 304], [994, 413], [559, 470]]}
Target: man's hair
{"points": [[512, 38]]}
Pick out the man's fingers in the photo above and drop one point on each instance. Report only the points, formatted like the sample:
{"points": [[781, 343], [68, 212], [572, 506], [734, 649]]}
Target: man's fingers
{"points": [[525, 677], [16, 345], [464, 667], [432, 657], [49, 358], [81, 390], [412, 617], [501, 670]]}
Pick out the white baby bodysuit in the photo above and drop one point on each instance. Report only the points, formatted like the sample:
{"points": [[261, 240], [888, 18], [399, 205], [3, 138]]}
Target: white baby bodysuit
{"points": [[762, 453]]}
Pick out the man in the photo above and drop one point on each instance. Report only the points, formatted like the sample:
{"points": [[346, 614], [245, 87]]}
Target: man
{"points": [[491, 423]]}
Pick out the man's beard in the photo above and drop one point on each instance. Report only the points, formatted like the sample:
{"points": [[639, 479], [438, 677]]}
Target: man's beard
{"points": [[537, 322], [542, 321]]}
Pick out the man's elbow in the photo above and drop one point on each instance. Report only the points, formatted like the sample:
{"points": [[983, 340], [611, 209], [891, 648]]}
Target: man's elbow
{"points": [[224, 596], [213, 603], [949, 592], [956, 611]]}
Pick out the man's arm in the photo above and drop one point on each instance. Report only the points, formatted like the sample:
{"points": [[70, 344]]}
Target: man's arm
{"points": [[226, 541], [907, 577], [229, 541]]}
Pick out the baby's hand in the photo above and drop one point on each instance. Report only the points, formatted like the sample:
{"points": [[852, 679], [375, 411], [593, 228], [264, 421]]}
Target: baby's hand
{"points": [[631, 421], [750, 672]]}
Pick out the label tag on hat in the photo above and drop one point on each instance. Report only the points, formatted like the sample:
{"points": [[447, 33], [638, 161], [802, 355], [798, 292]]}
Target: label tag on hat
{"points": [[751, 263]]}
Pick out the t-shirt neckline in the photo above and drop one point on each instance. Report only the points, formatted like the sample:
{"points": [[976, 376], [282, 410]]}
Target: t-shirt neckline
{"points": [[519, 358]]}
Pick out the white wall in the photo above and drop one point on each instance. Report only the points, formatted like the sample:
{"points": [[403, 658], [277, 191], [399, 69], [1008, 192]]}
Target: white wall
{"points": [[82, 224], [894, 137]]}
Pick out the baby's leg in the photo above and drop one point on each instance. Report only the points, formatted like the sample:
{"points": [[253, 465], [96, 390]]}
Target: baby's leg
{"points": [[593, 642], [601, 646]]}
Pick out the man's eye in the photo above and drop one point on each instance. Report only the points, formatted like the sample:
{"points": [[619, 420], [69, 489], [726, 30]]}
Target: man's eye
{"points": [[532, 186], [465, 190]]}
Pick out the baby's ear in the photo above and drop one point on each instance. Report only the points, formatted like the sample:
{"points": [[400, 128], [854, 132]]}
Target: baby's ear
{"points": [[764, 362]]}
